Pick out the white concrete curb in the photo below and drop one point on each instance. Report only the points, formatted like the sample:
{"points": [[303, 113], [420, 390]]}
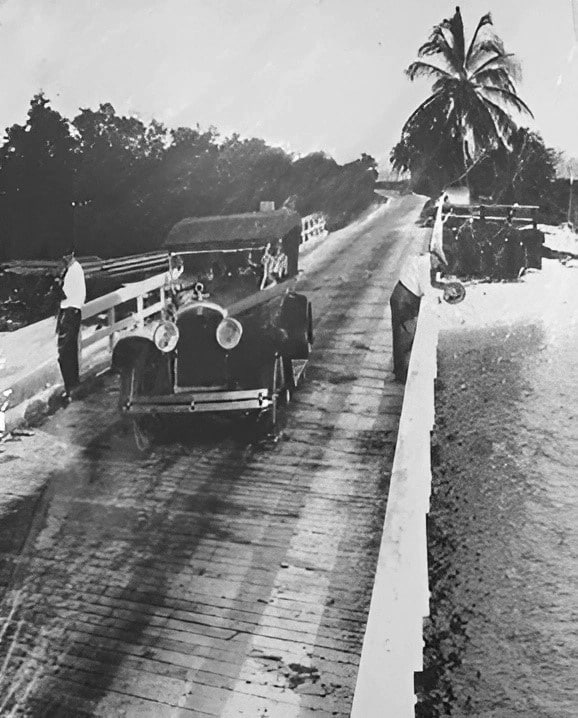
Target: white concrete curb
{"points": [[393, 643]]}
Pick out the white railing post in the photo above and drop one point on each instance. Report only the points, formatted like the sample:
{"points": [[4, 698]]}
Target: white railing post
{"points": [[111, 318], [313, 226], [140, 310], [108, 304]]}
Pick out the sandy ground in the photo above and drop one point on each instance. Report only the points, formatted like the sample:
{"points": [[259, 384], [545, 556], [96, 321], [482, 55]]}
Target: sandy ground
{"points": [[503, 533], [549, 296], [561, 239]]}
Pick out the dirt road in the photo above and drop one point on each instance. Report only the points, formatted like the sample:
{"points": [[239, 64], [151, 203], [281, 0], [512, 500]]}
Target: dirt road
{"points": [[215, 576]]}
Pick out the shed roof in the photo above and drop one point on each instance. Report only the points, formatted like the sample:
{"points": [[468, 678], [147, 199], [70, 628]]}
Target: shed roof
{"points": [[233, 231]]}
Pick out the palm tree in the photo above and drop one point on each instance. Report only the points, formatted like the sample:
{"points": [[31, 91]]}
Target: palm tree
{"points": [[473, 92]]}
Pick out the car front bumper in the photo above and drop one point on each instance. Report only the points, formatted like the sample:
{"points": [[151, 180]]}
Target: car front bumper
{"points": [[197, 402]]}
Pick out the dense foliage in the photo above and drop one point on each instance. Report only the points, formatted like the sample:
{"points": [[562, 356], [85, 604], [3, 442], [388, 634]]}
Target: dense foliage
{"points": [[521, 173], [491, 250], [468, 115], [114, 185]]}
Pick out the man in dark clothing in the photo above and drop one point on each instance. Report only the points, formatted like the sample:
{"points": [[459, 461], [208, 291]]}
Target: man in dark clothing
{"points": [[73, 293], [417, 277]]}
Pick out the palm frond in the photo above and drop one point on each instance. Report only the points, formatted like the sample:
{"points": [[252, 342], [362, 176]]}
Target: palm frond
{"points": [[456, 27], [508, 98], [426, 106], [510, 65], [444, 84], [484, 21], [436, 44], [503, 125], [500, 60], [504, 122], [494, 126], [494, 77], [425, 69], [492, 45], [441, 42]]}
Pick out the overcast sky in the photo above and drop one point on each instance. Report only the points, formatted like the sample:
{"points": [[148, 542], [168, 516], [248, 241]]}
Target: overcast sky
{"points": [[307, 74]]}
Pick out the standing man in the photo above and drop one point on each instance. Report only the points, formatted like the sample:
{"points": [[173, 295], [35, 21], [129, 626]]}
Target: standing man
{"points": [[73, 289], [418, 276]]}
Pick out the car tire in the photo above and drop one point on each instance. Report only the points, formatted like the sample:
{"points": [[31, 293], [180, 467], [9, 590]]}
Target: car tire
{"points": [[279, 392], [144, 430], [298, 323]]}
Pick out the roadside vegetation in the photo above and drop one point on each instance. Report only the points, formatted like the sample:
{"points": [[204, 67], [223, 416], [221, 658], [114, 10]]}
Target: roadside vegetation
{"points": [[467, 131], [115, 185]]}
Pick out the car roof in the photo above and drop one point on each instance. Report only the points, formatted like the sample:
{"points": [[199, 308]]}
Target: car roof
{"points": [[232, 231]]}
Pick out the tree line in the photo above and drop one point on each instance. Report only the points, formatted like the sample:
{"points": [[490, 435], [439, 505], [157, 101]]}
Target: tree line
{"points": [[113, 185]]}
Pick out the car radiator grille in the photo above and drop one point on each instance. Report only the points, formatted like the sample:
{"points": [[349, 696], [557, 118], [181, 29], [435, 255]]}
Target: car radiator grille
{"points": [[200, 359]]}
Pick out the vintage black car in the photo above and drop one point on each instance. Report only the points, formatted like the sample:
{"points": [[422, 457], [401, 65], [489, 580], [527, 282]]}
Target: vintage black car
{"points": [[235, 335]]}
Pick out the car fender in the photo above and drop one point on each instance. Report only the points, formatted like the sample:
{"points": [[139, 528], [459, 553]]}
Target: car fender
{"points": [[129, 349], [296, 321]]}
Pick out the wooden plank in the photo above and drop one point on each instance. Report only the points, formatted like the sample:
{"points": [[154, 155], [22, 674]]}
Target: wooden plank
{"points": [[107, 331], [102, 304], [489, 218], [153, 309]]}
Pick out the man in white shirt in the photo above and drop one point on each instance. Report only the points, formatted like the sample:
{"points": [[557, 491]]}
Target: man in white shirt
{"points": [[418, 277], [73, 288]]}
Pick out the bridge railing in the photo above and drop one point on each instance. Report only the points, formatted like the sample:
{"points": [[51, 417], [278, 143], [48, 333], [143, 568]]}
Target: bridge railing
{"points": [[393, 644], [512, 213], [28, 356], [94, 266], [313, 226], [132, 264], [119, 311]]}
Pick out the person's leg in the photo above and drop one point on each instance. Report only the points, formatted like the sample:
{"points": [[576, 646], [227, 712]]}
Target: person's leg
{"points": [[407, 335], [394, 303], [68, 329], [404, 310], [74, 373], [63, 339]]}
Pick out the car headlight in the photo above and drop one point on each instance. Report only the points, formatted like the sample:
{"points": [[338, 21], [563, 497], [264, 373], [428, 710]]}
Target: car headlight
{"points": [[229, 333], [166, 336]]}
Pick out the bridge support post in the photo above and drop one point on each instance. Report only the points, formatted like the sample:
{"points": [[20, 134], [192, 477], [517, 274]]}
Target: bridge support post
{"points": [[111, 314]]}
